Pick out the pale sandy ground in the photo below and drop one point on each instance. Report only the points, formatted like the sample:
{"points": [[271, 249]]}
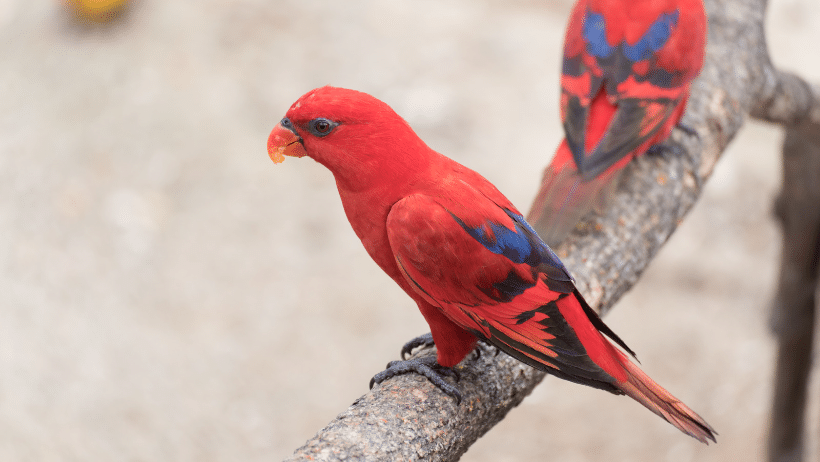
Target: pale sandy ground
{"points": [[168, 294]]}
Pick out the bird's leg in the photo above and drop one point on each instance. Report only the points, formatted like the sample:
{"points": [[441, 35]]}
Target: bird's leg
{"points": [[426, 366], [424, 341]]}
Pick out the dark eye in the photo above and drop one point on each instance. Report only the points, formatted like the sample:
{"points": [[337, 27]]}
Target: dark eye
{"points": [[321, 127]]}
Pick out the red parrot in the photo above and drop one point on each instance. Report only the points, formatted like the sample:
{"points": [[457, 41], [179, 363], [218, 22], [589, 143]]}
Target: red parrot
{"points": [[627, 68], [462, 252]]}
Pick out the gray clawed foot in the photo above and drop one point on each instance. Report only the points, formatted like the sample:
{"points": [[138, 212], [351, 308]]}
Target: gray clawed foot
{"points": [[426, 366]]}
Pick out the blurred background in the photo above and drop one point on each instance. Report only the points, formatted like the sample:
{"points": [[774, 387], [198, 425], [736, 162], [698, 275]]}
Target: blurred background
{"points": [[169, 294]]}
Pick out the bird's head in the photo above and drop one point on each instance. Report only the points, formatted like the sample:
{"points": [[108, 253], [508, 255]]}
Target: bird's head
{"points": [[356, 136]]}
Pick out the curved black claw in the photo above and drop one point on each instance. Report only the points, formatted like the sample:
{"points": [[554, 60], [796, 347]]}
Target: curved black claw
{"points": [[484, 343], [425, 341], [426, 366], [688, 130]]}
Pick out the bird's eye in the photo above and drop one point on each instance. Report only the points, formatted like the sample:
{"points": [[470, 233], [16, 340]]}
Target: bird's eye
{"points": [[321, 126]]}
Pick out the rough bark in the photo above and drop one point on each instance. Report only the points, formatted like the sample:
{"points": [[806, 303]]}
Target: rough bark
{"points": [[406, 418]]}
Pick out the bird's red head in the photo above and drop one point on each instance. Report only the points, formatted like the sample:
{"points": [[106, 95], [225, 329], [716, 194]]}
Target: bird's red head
{"points": [[312, 122], [309, 119], [349, 132]]}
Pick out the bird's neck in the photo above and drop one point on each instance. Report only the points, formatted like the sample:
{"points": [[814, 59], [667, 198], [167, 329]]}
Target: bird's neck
{"points": [[369, 192], [367, 200]]}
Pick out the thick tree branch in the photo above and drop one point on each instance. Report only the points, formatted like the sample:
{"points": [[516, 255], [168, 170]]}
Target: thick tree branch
{"points": [[406, 418], [790, 100]]}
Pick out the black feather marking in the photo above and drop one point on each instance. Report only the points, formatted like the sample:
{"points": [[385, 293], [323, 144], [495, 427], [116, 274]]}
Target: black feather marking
{"points": [[599, 324], [512, 286], [567, 372], [525, 316], [572, 362]]}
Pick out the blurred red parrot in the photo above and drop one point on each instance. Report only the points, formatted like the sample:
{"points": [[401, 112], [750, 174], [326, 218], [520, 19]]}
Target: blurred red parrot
{"points": [[627, 68], [462, 252]]}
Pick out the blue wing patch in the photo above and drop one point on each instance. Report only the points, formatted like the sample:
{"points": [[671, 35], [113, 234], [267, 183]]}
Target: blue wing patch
{"points": [[520, 245], [616, 60], [595, 35], [500, 240], [653, 40]]}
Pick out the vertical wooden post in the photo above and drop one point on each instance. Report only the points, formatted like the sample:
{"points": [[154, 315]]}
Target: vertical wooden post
{"points": [[793, 310]]}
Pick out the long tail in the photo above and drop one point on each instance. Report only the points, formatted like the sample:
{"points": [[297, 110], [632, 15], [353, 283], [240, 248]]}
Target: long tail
{"points": [[566, 337], [644, 390], [564, 197]]}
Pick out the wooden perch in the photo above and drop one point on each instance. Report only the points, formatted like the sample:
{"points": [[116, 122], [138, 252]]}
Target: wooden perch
{"points": [[407, 418]]}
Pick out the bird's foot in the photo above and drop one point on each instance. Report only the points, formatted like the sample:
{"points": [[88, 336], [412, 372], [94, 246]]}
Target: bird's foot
{"points": [[424, 341], [426, 366]]}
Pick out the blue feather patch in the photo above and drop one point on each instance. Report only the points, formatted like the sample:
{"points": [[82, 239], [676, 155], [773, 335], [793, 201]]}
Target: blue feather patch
{"points": [[595, 35], [498, 239], [653, 40], [520, 245]]}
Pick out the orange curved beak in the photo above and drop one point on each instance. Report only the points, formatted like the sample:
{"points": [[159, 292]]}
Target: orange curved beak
{"points": [[284, 142]]}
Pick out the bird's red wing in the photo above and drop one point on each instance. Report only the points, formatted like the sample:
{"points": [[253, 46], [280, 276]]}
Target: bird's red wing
{"points": [[490, 274]]}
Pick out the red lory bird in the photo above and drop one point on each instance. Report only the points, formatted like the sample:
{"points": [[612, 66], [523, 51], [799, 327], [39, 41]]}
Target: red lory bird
{"points": [[462, 252], [627, 68]]}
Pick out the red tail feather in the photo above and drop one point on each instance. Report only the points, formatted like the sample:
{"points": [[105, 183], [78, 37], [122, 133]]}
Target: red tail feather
{"points": [[643, 389]]}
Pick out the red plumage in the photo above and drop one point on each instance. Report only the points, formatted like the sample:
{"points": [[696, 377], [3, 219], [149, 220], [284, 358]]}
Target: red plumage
{"points": [[627, 68], [461, 250]]}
